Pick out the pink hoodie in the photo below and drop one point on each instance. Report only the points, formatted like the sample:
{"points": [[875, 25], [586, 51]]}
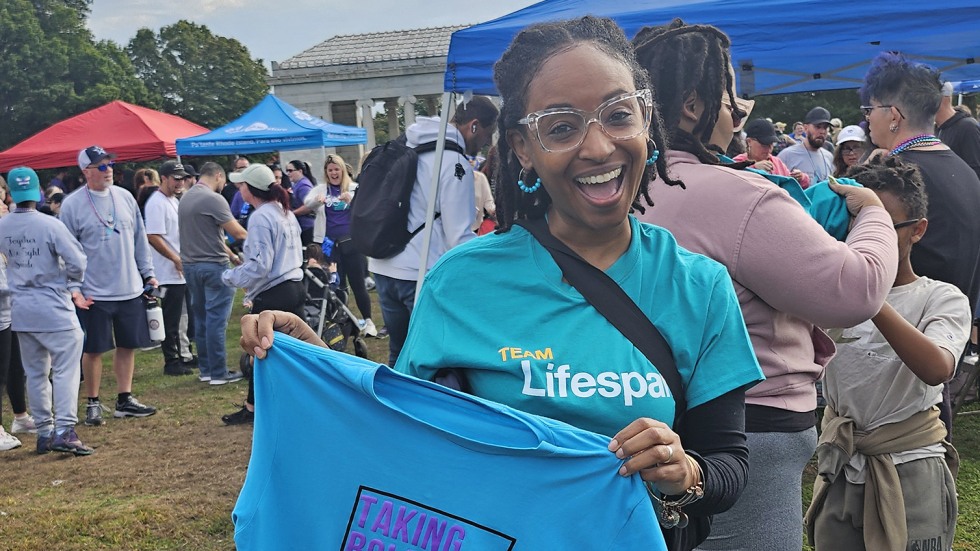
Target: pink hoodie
{"points": [[789, 274]]}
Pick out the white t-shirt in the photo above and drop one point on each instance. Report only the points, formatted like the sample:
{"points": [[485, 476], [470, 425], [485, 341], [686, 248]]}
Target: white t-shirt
{"points": [[161, 219], [867, 382]]}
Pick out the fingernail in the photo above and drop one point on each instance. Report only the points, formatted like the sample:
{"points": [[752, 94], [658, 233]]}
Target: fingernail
{"points": [[620, 454], [259, 353], [622, 470], [613, 445], [265, 342]]}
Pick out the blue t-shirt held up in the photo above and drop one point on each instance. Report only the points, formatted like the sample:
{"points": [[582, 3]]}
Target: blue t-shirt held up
{"points": [[350, 455]]}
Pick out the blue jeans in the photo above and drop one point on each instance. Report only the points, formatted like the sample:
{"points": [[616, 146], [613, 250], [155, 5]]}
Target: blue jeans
{"points": [[397, 298], [210, 307]]}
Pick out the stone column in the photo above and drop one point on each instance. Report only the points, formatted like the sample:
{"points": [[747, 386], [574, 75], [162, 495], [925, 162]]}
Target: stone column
{"points": [[366, 120], [391, 112], [408, 107]]}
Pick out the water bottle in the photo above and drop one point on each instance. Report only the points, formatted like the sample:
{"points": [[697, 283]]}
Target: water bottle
{"points": [[154, 319]]}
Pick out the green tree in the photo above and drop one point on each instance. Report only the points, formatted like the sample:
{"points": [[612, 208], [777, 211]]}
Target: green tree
{"points": [[53, 68], [197, 75]]}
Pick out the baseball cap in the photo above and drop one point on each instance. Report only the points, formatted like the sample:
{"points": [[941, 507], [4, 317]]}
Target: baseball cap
{"points": [[172, 168], [852, 133], [761, 130], [256, 175], [92, 155], [817, 115], [24, 185]]}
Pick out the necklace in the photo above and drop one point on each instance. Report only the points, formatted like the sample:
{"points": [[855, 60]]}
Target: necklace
{"points": [[110, 220], [922, 140]]}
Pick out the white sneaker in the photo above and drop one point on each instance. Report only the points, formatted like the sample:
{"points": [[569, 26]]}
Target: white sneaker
{"points": [[23, 425], [8, 441], [231, 377], [369, 329]]}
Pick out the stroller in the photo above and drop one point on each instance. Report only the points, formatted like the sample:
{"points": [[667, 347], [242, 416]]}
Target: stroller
{"points": [[328, 315]]}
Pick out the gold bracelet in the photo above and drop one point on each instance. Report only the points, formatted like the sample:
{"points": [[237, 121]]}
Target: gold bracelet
{"points": [[669, 512]]}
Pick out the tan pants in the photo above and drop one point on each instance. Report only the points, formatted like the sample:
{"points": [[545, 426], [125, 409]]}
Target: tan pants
{"points": [[930, 510]]}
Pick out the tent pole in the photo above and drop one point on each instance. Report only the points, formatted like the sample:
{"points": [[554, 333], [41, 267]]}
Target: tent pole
{"points": [[430, 210], [178, 159]]}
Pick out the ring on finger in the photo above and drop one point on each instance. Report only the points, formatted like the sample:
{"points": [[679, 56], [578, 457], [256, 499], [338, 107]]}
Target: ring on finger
{"points": [[670, 455]]}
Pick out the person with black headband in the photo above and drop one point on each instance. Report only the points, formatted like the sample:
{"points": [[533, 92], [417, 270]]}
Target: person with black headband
{"points": [[790, 275], [566, 184], [271, 273]]}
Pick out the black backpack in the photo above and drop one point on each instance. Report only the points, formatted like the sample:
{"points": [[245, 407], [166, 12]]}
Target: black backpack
{"points": [[380, 207]]}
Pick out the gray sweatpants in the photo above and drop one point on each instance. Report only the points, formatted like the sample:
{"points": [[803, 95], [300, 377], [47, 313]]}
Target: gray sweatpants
{"points": [[930, 509], [56, 354], [769, 514]]}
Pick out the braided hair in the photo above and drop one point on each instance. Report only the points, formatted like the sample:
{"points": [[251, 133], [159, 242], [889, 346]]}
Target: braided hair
{"points": [[682, 59], [513, 73], [903, 180]]}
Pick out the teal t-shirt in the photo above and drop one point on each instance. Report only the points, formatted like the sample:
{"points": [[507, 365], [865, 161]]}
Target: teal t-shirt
{"points": [[497, 307]]}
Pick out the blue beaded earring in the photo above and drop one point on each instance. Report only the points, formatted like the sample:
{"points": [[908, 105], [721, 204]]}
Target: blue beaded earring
{"points": [[525, 188], [653, 157]]}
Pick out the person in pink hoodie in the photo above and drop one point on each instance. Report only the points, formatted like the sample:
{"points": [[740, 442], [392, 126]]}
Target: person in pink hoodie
{"points": [[760, 135], [790, 275]]}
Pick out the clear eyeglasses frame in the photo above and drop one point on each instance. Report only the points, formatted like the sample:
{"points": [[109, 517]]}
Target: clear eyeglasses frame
{"points": [[563, 129]]}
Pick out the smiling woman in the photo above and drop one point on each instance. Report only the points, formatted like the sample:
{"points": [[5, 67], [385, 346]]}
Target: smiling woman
{"points": [[576, 180]]}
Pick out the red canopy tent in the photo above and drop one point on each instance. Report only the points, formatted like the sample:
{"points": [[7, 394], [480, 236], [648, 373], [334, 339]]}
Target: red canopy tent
{"points": [[132, 132]]}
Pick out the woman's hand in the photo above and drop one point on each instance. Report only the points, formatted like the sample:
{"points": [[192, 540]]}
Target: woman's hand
{"points": [[346, 196], [655, 451], [258, 331], [856, 197], [765, 166]]}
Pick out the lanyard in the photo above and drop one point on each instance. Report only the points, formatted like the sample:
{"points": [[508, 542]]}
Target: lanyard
{"points": [[110, 221]]}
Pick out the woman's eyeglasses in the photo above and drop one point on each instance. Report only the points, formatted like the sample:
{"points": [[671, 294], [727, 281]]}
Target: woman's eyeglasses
{"points": [[868, 109], [899, 225], [564, 128], [292, 170]]}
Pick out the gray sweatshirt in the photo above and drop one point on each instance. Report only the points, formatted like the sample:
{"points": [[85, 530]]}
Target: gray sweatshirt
{"points": [[44, 265], [110, 229], [273, 252]]}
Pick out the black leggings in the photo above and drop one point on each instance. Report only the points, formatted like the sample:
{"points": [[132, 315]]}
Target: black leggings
{"points": [[352, 266], [12, 373], [288, 296]]}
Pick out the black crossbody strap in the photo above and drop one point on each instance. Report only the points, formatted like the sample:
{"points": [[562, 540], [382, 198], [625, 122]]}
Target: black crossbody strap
{"points": [[615, 305]]}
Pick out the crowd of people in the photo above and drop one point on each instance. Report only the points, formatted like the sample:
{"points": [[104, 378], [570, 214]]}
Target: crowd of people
{"points": [[803, 257]]}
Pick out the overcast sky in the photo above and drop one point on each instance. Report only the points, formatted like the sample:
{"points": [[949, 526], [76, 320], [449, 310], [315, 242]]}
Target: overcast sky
{"points": [[275, 30]]}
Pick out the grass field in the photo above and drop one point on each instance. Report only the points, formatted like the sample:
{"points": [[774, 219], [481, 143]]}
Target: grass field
{"points": [[170, 481]]}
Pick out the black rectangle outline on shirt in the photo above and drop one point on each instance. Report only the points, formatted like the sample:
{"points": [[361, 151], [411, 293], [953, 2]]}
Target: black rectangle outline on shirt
{"points": [[350, 522]]}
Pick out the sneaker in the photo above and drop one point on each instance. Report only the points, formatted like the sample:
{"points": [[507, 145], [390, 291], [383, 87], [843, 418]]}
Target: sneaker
{"points": [[68, 442], [8, 441], [383, 332], [132, 408], [93, 413], [240, 417], [369, 329], [230, 377], [44, 443], [369, 283], [23, 425], [204, 378]]}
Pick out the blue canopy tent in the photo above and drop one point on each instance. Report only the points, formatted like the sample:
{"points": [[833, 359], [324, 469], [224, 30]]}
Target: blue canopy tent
{"points": [[271, 125], [778, 46]]}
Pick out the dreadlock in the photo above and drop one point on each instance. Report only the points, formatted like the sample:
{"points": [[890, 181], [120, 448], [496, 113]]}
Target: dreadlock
{"points": [[682, 59], [512, 75], [889, 173]]}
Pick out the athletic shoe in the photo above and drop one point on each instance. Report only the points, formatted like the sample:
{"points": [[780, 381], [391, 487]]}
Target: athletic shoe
{"points": [[240, 417], [369, 283], [231, 377], [8, 441], [44, 443], [369, 329], [93, 413], [68, 442], [23, 425], [204, 378], [132, 408]]}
